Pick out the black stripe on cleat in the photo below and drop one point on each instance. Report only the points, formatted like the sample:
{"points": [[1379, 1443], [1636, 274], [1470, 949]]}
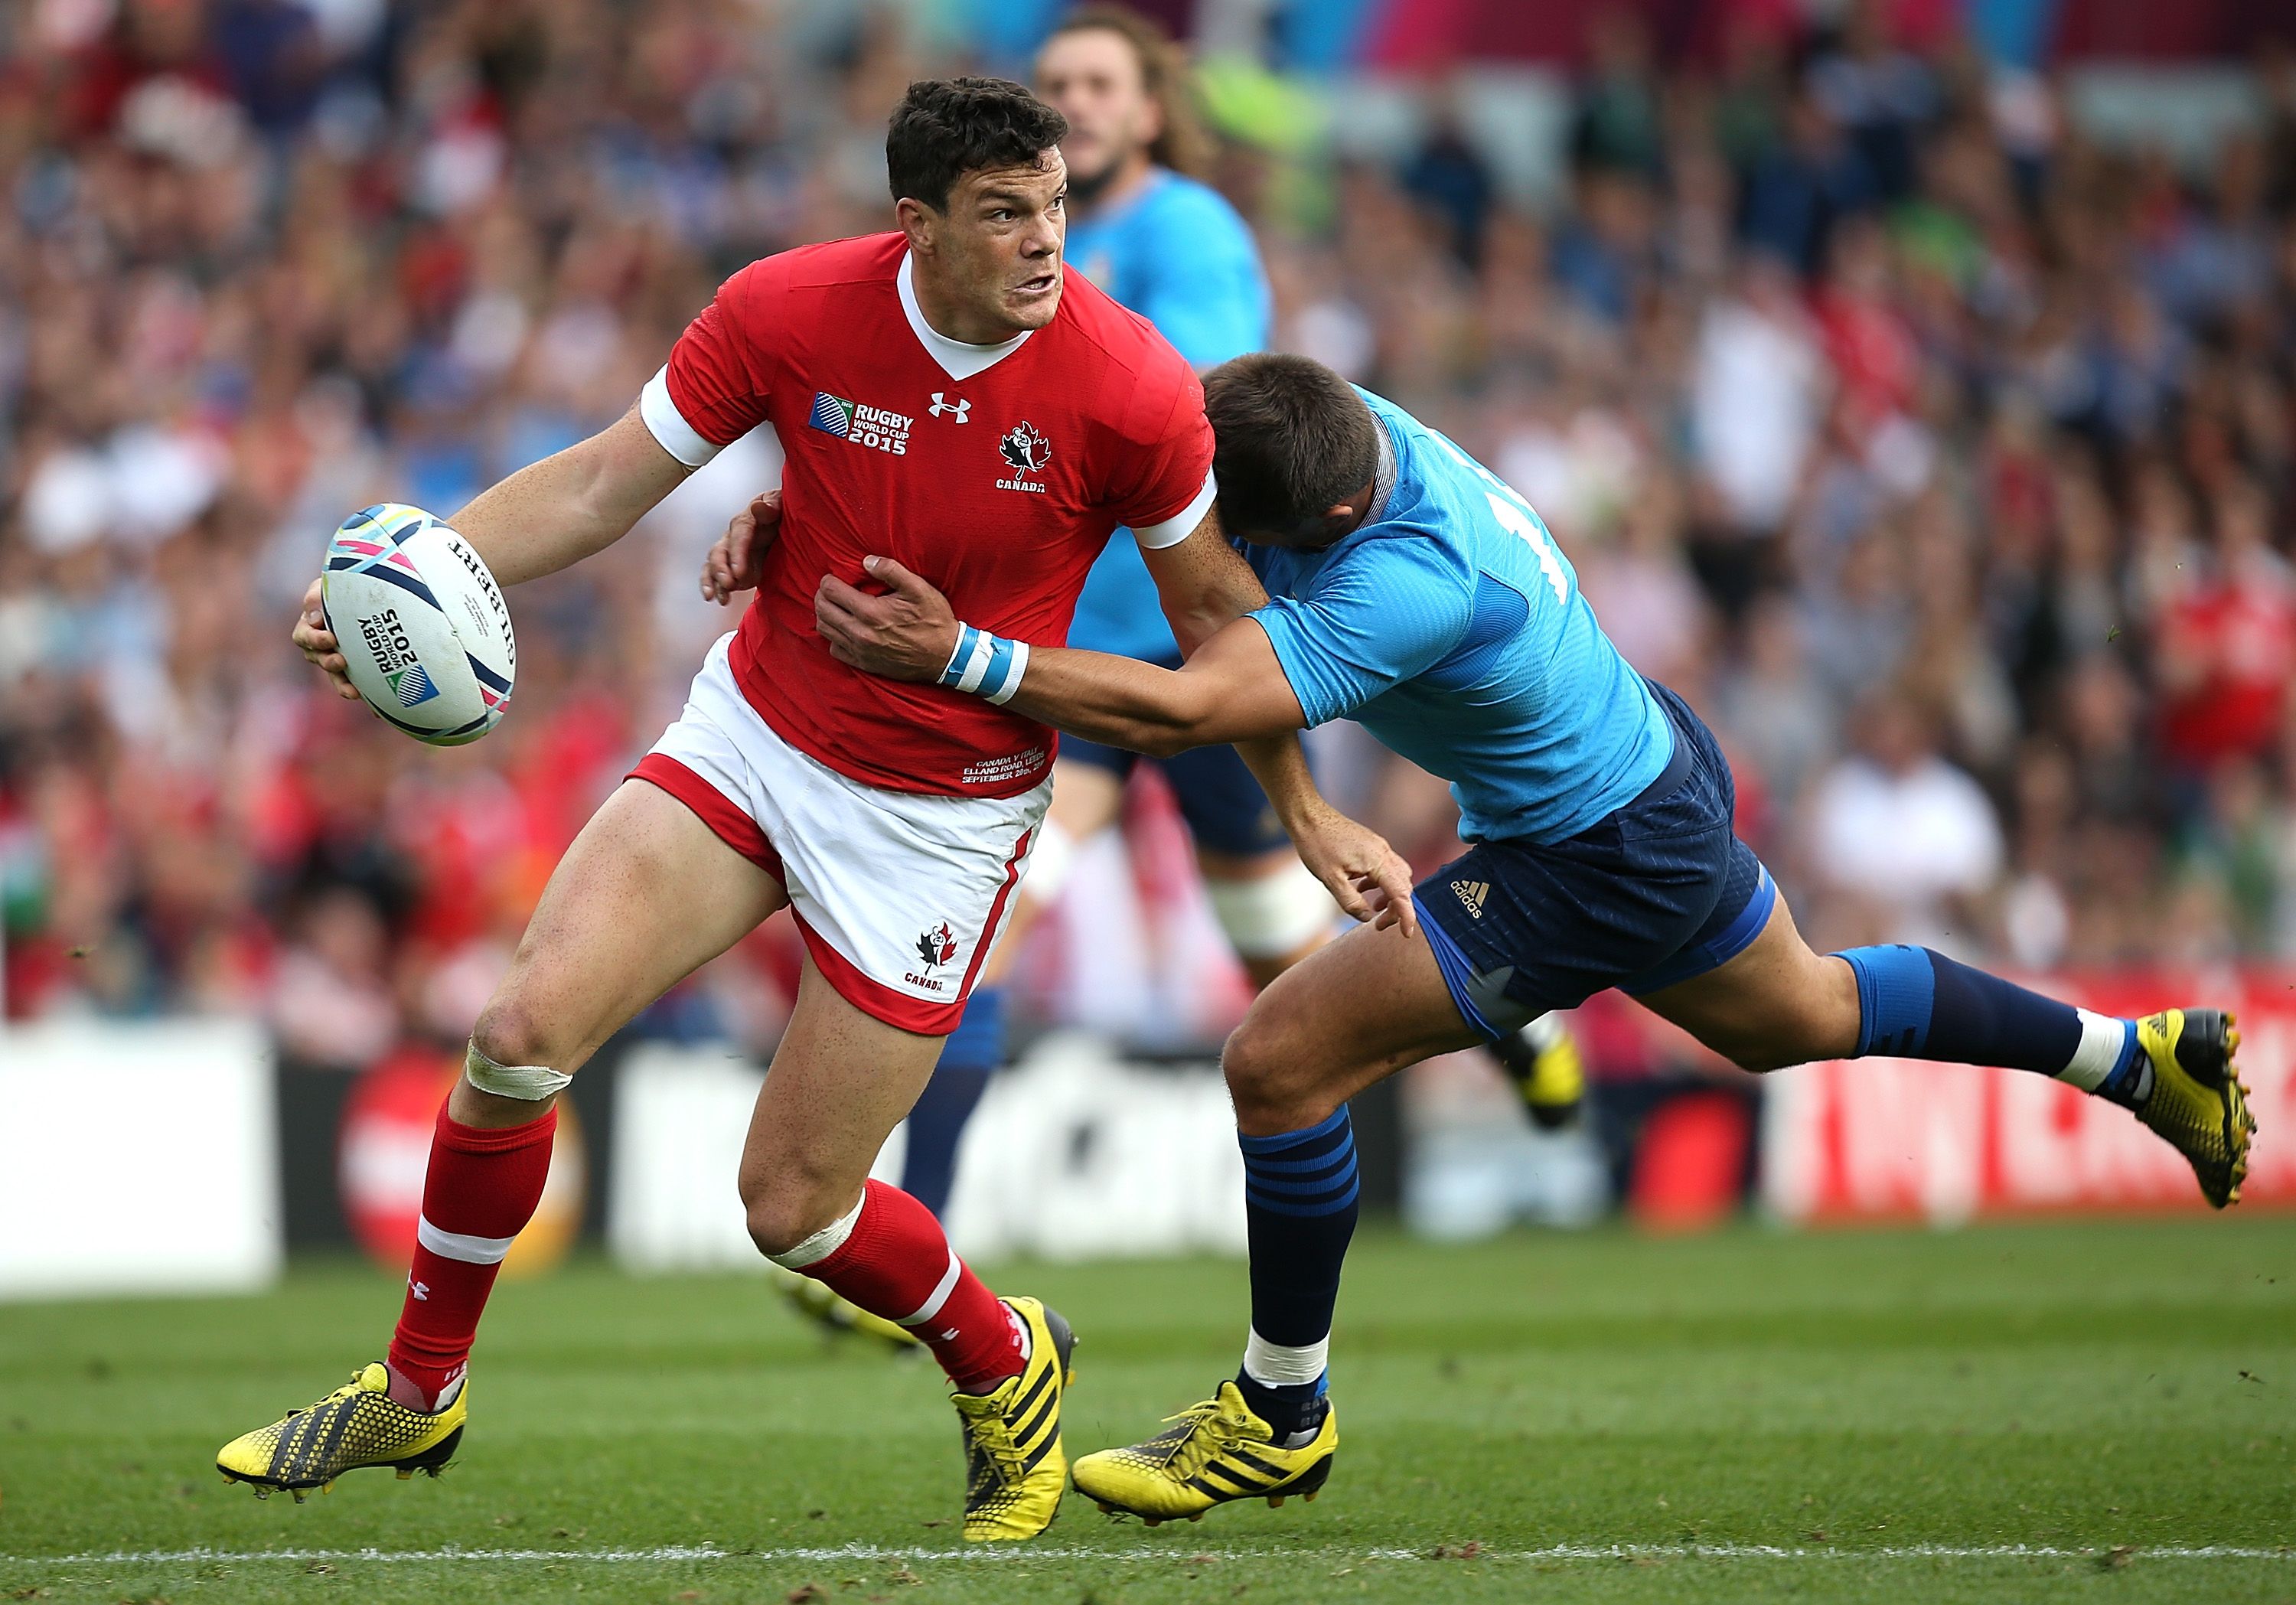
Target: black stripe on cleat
{"points": [[1064, 1343], [2204, 1047]]}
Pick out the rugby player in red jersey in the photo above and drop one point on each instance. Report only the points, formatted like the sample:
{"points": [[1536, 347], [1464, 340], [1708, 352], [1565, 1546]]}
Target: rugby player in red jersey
{"points": [[943, 388]]}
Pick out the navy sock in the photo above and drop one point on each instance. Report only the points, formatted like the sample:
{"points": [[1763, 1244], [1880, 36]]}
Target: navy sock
{"points": [[1299, 1203], [1913, 1002], [968, 1059]]}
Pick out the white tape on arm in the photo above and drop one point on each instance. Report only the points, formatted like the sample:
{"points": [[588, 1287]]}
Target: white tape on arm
{"points": [[530, 1082], [1172, 531], [668, 425]]}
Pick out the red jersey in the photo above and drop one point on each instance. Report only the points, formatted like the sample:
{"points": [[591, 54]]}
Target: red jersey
{"points": [[996, 472]]}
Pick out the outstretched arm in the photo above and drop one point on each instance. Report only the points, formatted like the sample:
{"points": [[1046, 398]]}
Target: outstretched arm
{"points": [[552, 514], [545, 517]]}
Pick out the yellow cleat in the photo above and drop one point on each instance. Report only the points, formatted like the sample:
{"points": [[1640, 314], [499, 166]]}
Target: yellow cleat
{"points": [[359, 1424], [1542, 1060], [1015, 1471], [1212, 1454], [838, 1316], [2196, 1100]]}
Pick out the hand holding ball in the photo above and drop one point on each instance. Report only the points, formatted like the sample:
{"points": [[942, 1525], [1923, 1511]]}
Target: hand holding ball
{"points": [[424, 633]]}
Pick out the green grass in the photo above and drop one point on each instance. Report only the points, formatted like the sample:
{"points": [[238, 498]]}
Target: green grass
{"points": [[1851, 1398]]}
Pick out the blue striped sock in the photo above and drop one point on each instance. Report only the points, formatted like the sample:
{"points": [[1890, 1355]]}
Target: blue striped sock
{"points": [[1916, 1004], [1299, 1205]]}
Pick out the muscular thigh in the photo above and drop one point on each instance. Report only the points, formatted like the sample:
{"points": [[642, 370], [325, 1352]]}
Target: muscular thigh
{"points": [[1350, 1015], [645, 895], [1774, 1003]]}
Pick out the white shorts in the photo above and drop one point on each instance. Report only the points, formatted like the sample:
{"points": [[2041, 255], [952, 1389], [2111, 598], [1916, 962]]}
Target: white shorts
{"points": [[899, 895]]}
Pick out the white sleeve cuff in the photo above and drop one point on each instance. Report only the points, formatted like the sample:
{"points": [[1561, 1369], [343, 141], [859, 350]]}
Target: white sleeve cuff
{"points": [[1177, 528], [679, 438]]}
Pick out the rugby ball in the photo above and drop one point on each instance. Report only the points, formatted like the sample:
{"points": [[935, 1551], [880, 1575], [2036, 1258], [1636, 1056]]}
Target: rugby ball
{"points": [[421, 624]]}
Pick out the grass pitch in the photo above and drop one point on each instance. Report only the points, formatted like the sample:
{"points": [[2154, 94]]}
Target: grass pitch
{"points": [[2105, 1411]]}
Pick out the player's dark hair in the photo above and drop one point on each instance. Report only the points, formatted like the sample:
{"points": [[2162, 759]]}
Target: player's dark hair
{"points": [[1292, 439], [1183, 146], [946, 128]]}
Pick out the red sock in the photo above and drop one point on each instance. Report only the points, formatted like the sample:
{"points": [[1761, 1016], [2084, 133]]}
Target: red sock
{"points": [[480, 1193], [897, 1264]]}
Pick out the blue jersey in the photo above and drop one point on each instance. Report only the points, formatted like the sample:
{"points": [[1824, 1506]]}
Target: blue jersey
{"points": [[1452, 628], [1178, 254]]}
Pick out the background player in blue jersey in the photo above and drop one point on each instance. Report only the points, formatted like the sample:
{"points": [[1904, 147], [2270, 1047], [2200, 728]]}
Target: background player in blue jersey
{"points": [[1173, 249], [1415, 593]]}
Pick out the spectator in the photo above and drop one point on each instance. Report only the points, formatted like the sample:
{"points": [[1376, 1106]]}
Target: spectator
{"points": [[1903, 845], [1931, 394]]}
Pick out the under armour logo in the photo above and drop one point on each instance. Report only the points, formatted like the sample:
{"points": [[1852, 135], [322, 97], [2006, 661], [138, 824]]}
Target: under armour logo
{"points": [[421, 1289], [941, 404]]}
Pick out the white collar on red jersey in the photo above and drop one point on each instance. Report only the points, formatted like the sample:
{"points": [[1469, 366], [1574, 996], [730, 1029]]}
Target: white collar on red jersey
{"points": [[957, 359]]}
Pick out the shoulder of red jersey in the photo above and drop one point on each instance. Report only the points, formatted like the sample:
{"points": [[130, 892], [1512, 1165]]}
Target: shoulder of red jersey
{"points": [[861, 259], [713, 390], [752, 296], [1150, 385]]}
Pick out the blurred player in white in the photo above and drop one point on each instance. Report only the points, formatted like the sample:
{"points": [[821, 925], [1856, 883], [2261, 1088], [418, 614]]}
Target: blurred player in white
{"points": [[939, 392]]}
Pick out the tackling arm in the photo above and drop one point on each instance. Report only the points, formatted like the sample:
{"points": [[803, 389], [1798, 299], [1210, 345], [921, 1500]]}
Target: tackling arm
{"points": [[1205, 587], [1231, 689]]}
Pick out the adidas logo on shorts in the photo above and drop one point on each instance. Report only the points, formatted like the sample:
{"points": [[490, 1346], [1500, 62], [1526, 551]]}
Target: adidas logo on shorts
{"points": [[1471, 895]]}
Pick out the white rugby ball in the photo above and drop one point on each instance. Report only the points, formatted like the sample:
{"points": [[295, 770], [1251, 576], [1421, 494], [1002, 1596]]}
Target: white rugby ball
{"points": [[421, 624]]}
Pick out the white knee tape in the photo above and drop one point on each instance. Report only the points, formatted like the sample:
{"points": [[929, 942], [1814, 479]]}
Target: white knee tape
{"points": [[1050, 860], [822, 1243], [1274, 914], [531, 1082]]}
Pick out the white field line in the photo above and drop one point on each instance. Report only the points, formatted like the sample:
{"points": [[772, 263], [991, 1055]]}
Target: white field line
{"points": [[1142, 1554]]}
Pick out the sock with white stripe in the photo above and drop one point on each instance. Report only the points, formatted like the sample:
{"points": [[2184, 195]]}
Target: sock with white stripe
{"points": [[893, 1260], [1299, 1206], [1916, 1004], [480, 1191]]}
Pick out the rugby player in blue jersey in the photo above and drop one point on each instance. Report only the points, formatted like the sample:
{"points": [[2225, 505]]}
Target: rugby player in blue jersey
{"points": [[1415, 593]]}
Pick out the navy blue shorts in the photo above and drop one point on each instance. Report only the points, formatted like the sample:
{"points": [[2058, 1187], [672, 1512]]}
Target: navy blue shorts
{"points": [[1655, 893], [1225, 809]]}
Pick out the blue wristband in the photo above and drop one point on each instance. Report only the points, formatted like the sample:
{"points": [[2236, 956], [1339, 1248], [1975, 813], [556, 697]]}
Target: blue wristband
{"points": [[985, 665]]}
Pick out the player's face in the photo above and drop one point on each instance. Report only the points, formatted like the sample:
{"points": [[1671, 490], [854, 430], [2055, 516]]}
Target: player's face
{"points": [[997, 245], [1092, 77]]}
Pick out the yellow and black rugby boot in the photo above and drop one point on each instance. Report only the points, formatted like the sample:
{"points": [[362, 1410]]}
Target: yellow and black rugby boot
{"points": [[1542, 1060], [840, 1318], [358, 1425], [1212, 1454], [2197, 1100], [1015, 1471]]}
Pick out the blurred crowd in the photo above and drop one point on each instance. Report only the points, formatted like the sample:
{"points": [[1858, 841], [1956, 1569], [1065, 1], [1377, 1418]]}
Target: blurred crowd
{"points": [[1941, 456]]}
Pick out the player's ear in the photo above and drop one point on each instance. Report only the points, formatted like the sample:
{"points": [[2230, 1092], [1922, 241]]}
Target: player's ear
{"points": [[918, 221]]}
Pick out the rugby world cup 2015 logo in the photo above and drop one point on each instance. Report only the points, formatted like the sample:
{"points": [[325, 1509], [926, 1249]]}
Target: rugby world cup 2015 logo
{"points": [[1025, 451], [861, 423]]}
